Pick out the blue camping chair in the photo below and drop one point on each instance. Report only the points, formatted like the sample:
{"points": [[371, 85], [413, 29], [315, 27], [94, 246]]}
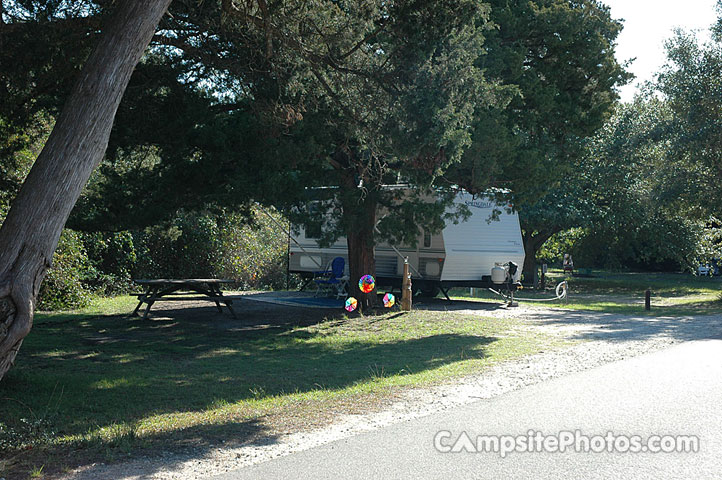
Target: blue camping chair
{"points": [[332, 279]]}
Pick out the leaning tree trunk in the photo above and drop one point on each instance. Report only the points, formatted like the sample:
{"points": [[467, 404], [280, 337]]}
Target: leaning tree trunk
{"points": [[30, 233]]}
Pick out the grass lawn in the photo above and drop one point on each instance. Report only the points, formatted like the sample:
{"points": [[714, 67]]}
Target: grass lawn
{"points": [[672, 293], [98, 385]]}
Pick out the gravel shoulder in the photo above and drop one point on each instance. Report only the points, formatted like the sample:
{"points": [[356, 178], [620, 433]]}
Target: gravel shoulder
{"points": [[597, 339]]}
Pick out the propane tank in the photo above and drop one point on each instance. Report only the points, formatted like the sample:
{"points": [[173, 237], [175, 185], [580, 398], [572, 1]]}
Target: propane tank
{"points": [[498, 274]]}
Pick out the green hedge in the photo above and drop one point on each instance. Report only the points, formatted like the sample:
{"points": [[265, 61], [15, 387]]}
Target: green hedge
{"points": [[66, 282], [250, 250]]}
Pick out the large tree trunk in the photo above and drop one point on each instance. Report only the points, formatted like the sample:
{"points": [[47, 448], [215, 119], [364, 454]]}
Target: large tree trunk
{"points": [[361, 262], [529, 270], [359, 211], [30, 233], [532, 243]]}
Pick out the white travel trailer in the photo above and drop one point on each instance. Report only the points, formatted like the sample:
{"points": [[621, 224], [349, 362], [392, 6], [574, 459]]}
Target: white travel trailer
{"points": [[462, 254]]}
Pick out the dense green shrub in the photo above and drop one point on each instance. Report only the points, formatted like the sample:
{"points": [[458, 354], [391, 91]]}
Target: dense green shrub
{"points": [[711, 244], [65, 284], [113, 256], [252, 251], [186, 247], [658, 244], [553, 250], [255, 254]]}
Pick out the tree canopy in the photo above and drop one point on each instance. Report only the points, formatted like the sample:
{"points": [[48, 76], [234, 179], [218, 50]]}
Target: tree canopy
{"points": [[275, 100], [691, 83], [557, 57], [261, 101]]}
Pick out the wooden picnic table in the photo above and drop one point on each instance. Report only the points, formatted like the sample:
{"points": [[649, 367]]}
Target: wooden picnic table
{"points": [[164, 289]]}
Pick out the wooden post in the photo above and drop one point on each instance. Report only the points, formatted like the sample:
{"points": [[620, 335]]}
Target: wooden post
{"points": [[288, 260], [406, 288], [647, 300]]}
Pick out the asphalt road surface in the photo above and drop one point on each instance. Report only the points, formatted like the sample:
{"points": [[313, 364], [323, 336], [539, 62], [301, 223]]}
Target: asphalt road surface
{"points": [[677, 391]]}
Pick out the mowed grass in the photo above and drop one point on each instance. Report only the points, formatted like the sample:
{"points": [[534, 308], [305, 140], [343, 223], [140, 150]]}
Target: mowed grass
{"points": [[100, 385], [673, 294]]}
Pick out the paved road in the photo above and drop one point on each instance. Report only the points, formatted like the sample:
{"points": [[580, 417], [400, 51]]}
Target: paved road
{"points": [[677, 391]]}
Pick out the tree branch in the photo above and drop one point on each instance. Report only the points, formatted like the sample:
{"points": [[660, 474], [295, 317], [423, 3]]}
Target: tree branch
{"points": [[333, 95], [371, 35], [182, 44]]}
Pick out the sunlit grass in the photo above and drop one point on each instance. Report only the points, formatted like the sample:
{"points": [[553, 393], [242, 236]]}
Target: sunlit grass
{"points": [[623, 293], [120, 305]]}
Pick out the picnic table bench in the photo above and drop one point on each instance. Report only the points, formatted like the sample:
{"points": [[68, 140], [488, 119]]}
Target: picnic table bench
{"points": [[165, 289]]}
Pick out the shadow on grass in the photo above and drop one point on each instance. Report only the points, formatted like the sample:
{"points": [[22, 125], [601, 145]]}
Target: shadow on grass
{"points": [[85, 374], [172, 447]]}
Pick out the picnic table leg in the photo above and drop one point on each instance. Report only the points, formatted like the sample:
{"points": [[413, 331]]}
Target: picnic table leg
{"points": [[228, 303], [216, 292], [150, 300], [213, 292], [156, 293], [216, 289], [141, 300], [147, 309], [159, 293]]}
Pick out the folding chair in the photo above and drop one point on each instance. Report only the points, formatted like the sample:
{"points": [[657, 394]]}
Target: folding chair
{"points": [[332, 278]]}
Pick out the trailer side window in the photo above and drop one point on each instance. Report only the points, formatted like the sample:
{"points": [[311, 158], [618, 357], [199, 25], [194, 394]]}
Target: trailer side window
{"points": [[427, 239], [310, 261]]}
